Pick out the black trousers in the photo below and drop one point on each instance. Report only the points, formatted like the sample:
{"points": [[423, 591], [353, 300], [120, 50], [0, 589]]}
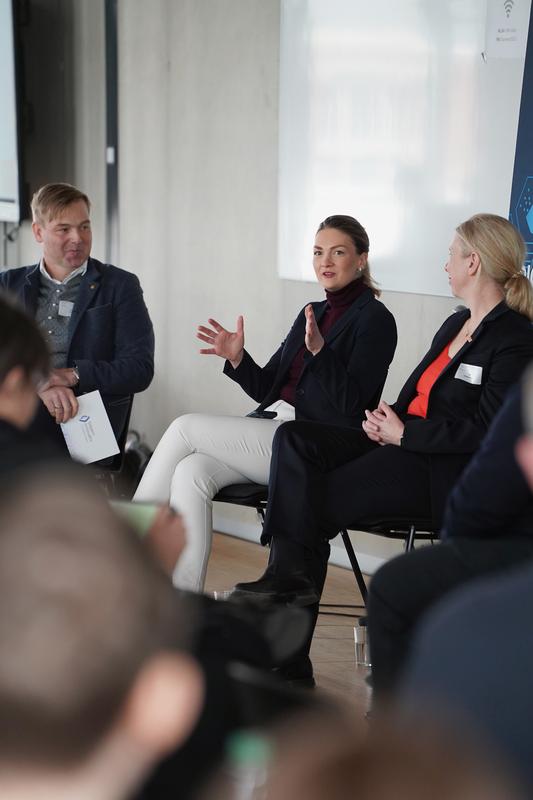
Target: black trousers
{"points": [[324, 478], [405, 588]]}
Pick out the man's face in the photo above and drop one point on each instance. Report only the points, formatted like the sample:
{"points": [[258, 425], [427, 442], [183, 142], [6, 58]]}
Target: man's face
{"points": [[66, 240]]}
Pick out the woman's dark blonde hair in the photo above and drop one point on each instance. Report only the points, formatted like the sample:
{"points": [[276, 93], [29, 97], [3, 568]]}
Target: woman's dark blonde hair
{"points": [[502, 251], [352, 228]]}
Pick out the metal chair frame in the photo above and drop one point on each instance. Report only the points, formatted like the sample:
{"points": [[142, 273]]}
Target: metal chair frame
{"points": [[254, 495]]}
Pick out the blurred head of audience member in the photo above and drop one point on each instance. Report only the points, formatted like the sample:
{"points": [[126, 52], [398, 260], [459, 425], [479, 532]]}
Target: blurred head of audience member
{"points": [[24, 364], [524, 448], [325, 760], [94, 686]]}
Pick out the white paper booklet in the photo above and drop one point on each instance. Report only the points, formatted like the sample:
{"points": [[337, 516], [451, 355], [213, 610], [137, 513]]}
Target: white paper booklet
{"points": [[89, 435]]}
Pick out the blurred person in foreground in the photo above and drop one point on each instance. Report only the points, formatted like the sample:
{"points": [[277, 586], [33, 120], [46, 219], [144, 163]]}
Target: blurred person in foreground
{"points": [[24, 365], [94, 688], [487, 529], [472, 658], [220, 633], [328, 757]]}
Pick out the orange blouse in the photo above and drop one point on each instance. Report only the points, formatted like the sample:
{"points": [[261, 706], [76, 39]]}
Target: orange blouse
{"points": [[418, 406]]}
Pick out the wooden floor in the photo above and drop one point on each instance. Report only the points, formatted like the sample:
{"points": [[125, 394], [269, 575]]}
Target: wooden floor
{"points": [[333, 652]]}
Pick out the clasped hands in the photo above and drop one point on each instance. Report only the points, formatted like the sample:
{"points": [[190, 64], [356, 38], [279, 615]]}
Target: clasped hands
{"points": [[383, 425], [230, 344], [57, 395]]}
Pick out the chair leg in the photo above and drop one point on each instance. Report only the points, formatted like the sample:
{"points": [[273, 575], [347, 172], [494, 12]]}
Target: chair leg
{"points": [[355, 564], [410, 541]]}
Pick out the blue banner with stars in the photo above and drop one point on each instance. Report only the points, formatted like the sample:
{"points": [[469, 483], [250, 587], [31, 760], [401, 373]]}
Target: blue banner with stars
{"points": [[521, 211]]}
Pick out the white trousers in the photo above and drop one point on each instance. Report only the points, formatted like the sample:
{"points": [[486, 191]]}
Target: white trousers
{"points": [[197, 456]]}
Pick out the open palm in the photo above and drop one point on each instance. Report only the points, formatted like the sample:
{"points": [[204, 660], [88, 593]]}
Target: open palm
{"points": [[223, 343]]}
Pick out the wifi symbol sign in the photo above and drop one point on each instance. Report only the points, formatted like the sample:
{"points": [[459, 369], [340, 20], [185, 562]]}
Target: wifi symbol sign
{"points": [[508, 6]]}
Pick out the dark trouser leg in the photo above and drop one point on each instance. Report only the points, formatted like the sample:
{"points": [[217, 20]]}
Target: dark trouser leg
{"points": [[302, 452], [405, 588], [323, 479], [302, 455], [300, 665]]}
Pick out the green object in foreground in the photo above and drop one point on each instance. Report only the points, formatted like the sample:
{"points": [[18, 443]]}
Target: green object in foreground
{"points": [[139, 515]]}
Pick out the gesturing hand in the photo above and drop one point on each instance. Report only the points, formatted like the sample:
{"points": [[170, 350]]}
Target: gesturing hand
{"points": [[383, 425], [314, 341], [223, 343], [60, 401]]}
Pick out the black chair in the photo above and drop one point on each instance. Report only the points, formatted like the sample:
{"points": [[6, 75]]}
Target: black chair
{"points": [[255, 495], [108, 471], [407, 528]]}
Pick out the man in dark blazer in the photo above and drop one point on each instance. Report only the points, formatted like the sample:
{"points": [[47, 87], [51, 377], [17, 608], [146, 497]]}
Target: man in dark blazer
{"points": [[487, 528], [92, 314]]}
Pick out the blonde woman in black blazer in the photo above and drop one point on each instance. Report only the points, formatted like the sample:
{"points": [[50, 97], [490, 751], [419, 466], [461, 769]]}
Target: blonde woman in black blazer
{"points": [[323, 479], [331, 366]]}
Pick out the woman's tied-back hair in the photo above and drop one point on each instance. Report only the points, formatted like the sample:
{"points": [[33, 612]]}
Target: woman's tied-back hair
{"points": [[352, 228], [502, 253], [21, 342], [50, 200]]}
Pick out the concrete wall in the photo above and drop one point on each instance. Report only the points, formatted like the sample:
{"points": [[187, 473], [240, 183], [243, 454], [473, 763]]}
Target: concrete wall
{"points": [[198, 149], [198, 82]]}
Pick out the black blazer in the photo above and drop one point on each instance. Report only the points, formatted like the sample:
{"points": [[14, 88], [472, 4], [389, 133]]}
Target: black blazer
{"points": [[342, 380], [460, 411], [493, 500], [111, 339]]}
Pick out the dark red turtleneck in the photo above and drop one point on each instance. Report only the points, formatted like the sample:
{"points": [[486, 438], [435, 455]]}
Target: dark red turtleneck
{"points": [[337, 304]]}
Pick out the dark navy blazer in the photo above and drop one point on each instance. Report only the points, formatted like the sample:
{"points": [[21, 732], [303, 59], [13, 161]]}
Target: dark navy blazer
{"points": [[493, 500], [111, 338], [343, 379]]}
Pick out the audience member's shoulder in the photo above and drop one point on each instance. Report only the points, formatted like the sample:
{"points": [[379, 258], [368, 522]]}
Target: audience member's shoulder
{"points": [[21, 451]]}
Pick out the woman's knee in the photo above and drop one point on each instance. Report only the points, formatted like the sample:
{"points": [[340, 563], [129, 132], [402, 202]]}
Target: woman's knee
{"points": [[293, 434]]}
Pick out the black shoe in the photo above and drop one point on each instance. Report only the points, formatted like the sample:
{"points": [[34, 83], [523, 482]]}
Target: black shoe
{"points": [[296, 589], [298, 673], [284, 629]]}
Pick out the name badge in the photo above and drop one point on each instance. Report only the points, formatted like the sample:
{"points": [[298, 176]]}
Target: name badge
{"points": [[469, 373], [65, 308]]}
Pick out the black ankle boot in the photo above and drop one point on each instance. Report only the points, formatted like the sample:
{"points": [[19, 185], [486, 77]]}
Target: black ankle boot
{"points": [[292, 589]]}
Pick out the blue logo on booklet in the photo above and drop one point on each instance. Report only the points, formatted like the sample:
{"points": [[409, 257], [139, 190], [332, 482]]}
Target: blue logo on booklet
{"points": [[85, 418]]}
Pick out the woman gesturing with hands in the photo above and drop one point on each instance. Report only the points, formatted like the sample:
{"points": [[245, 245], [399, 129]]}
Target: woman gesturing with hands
{"points": [[226, 344], [330, 367]]}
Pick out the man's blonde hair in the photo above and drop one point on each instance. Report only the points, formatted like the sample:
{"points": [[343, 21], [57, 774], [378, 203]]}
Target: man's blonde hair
{"points": [[50, 200]]}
